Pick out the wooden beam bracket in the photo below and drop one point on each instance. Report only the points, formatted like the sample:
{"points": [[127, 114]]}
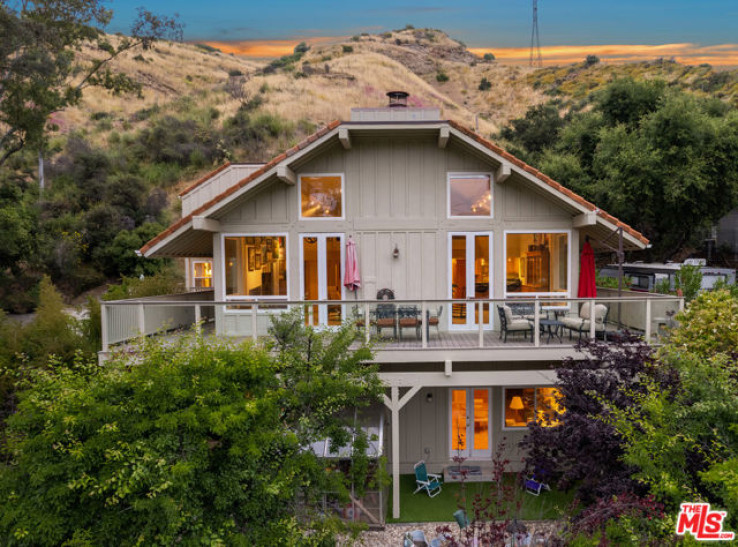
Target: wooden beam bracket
{"points": [[503, 173], [344, 137], [287, 175], [443, 135]]}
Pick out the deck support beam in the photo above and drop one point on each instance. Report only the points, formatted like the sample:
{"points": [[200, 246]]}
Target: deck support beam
{"points": [[344, 137], [286, 175]]}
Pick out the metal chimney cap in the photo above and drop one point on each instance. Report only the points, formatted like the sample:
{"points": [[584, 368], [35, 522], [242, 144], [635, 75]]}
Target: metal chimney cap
{"points": [[398, 98]]}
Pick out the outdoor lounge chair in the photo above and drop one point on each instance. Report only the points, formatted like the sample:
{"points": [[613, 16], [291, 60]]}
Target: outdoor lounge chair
{"points": [[534, 487], [508, 324], [581, 324], [429, 482]]}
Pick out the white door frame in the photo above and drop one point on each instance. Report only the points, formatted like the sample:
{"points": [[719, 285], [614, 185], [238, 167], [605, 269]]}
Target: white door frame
{"points": [[322, 275], [470, 452], [470, 256]]}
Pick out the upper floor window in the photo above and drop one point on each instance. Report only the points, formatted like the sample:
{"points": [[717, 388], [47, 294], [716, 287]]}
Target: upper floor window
{"points": [[255, 266], [321, 196], [469, 195], [537, 262]]}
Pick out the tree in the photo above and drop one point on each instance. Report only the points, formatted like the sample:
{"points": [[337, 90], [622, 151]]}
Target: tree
{"points": [[39, 72], [489, 57], [485, 85], [584, 451], [683, 444], [538, 130], [198, 442]]}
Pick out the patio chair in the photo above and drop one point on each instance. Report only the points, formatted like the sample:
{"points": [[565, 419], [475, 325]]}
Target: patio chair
{"points": [[429, 482], [408, 317], [534, 487], [581, 324], [385, 314], [435, 320], [508, 324]]}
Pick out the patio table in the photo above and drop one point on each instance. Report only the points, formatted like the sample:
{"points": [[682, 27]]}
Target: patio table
{"points": [[551, 326]]}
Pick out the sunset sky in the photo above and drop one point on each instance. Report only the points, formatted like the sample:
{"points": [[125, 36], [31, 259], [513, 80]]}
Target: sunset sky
{"points": [[693, 31]]}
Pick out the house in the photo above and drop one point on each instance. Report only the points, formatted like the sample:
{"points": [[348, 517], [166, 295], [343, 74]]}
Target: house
{"points": [[449, 223]]}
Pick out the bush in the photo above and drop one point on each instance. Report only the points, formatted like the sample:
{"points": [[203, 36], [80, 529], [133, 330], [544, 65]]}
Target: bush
{"points": [[591, 60], [485, 85], [489, 57], [688, 280], [441, 76], [347, 49]]}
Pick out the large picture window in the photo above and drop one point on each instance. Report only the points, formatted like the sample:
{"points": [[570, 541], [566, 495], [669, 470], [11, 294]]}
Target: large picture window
{"points": [[321, 196], [469, 195], [527, 404], [537, 262], [256, 266]]}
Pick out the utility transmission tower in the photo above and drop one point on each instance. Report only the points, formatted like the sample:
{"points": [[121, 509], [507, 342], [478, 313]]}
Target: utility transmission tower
{"points": [[536, 59]]}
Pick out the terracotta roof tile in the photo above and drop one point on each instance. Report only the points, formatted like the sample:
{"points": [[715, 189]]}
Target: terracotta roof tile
{"points": [[330, 127], [548, 180]]}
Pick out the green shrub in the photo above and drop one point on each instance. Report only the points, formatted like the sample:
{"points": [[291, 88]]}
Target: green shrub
{"points": [[688, 280], [347, 49], [485, 85], [234, 73], [441, 76], [166, 281], [591, 60], [489, 57], [356, 38]]}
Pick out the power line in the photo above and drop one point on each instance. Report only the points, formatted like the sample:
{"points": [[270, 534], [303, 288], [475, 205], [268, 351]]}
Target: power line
{"points": [[536, 59]]}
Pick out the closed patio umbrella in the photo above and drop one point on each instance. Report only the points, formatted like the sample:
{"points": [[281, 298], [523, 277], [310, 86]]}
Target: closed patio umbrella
{"points": [[351, 278], [587, 287]]}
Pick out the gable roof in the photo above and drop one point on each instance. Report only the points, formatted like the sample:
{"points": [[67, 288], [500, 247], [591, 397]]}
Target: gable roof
{"points": [[312, 140]]}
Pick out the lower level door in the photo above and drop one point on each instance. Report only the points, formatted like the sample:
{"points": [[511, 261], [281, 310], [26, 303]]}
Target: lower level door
{"points": [[471, 436]]}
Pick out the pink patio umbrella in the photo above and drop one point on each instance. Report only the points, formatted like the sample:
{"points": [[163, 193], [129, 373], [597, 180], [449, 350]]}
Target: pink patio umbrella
{"points": [[351, 279], [587, 287]]}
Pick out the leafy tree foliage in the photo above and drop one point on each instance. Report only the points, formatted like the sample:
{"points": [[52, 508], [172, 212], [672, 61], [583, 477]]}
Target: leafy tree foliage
{"points": [[195, 443], [683, 444], [658, 158], [40, 74], [584, 451]]}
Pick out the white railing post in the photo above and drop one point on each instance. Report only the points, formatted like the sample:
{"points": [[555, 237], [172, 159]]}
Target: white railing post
{"points": [[480, 320], [536, 322], [592, 320], [141, 322], [104, 327], [198, 319], [366, 323], [648, 320], [254, 323], [681, 304], [424, 326]]}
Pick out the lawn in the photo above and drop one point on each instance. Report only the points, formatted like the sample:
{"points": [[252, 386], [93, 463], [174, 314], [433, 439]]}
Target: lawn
{"points": [[421, 508]]}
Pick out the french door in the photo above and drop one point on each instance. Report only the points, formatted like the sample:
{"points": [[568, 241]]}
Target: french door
{"points": [[470, 278], [321, 263], [471, 436]]}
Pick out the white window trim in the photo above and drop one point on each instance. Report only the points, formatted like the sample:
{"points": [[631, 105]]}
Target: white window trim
{"points": [[569, 266], [449, 274], [321, 267], [244, 298], [487, 453], [470, 175], [505, 427], [343, 196]]}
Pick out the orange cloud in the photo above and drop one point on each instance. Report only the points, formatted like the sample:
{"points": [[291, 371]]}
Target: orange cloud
{"points": [[718, 55], [270, 48]]}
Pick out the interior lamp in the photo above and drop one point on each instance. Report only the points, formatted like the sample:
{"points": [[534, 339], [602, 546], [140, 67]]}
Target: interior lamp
{"points": [[517, 403]]}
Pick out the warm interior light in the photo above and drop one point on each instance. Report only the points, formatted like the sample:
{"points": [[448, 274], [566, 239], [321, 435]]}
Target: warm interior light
{"points": [[517, 403]]}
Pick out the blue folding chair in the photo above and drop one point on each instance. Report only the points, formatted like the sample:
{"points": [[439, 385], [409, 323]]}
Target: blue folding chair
{"points": [[426, 481], [532, 486]]}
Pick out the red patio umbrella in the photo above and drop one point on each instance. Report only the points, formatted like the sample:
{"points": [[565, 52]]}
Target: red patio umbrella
{"points": [[351, 278], [587, 287]]}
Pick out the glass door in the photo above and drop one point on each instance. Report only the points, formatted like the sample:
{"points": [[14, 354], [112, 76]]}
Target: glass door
{"points": [[321, 259], [470, 423], [470, 276]]}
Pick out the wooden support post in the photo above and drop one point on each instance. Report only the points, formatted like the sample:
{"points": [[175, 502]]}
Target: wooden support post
{"points": [[254, 323], [537, 322], [480, 320], [104, 327], [424, 324], [198, 320], [141, 322], [395, 408], [648, 320]]}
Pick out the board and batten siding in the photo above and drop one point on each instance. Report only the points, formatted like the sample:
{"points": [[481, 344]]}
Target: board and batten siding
{"points": [[396, 195]]}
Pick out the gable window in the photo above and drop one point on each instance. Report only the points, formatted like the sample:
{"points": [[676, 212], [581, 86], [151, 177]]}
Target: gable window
{"points": [[525, 405], [537, 262], [202, 274], [469, 195], [321, 196], [255, 266]]}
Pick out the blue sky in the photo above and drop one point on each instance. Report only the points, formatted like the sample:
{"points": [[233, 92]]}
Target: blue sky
{"points": [[479, 24]]}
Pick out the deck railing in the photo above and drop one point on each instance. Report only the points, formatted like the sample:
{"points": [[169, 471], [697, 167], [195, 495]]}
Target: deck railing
{"points": [[396, 324]]}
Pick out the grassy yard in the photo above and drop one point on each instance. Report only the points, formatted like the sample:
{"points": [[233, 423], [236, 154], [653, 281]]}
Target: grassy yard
{"points": [[421, 508]]}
